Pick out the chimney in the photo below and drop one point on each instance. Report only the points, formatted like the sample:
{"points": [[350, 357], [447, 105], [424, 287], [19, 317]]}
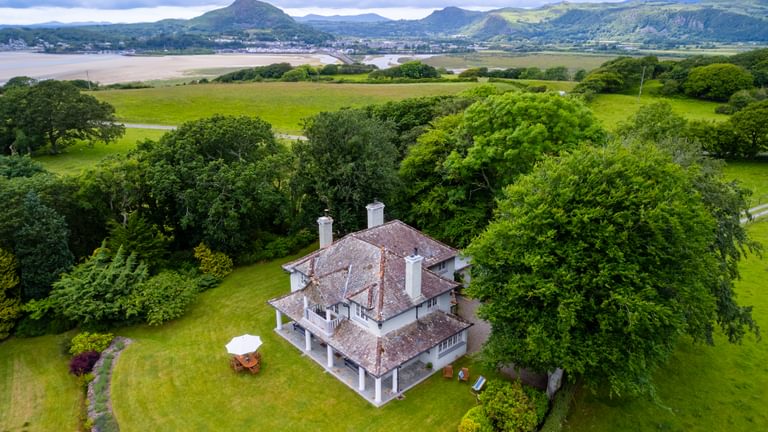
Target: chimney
{"points": [[325, 225], [375, 213], [413, 274]]}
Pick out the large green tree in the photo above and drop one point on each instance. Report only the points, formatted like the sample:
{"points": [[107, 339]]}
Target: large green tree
{"points": [[53, 113], [97, 293], [41, 247], [347, 161], [598, 261], [460, 166], [751, 124], [717, 81], [219, 180]]}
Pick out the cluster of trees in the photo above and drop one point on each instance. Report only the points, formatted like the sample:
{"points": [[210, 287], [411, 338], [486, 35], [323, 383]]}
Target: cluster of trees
{"points": [[412, 70], [742, 135], [51, 114], [286, 72], [715, 78], [557, 73], [590, 254]]}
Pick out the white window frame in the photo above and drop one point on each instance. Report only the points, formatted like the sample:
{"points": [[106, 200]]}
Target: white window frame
{"points": [[450, 342], [441, 266], [431, 303], [360, 313]]}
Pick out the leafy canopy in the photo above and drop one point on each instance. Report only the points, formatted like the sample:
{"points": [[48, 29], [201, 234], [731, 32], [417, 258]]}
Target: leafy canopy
{"points": [[597, 262]]}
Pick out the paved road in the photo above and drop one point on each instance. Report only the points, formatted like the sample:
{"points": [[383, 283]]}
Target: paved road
{"points": [[167, 127], [756, 213]]}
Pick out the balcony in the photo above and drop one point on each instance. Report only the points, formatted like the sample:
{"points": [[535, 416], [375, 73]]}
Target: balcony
{"points": [[321, 323]]}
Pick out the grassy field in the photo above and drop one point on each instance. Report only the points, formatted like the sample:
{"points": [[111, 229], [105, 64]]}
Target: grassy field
{"points": [[182, 367], [504, 60], [284, 105], [702, 388], [36, 391], [612, 109], [753, 175], [82, 156]]}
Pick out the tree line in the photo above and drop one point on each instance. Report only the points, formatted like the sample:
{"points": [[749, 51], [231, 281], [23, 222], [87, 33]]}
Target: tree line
{"points": [[716, 78], [591, 251]]}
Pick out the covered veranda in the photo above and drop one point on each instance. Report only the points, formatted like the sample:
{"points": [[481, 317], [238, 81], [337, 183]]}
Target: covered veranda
{"points": [[377, 391]]}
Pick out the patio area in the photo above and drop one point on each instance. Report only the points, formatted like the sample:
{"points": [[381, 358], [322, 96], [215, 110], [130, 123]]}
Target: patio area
{"points": [[347, 372]]}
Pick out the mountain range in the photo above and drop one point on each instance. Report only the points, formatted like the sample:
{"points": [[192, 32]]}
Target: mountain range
{"points": [[682, 21], [647, 21]]}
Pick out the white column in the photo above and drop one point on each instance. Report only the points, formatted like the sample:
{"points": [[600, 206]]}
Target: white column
{"points": [[377, 398], [330, 355], [307, 340], [394, 380], [279, 318], [360, 378]]}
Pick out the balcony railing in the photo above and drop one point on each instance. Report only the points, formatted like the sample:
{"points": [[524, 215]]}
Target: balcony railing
{"points": [[319, 321]]}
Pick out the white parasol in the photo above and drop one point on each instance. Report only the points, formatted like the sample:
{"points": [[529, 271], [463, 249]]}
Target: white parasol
{"points": [[244, 344]]}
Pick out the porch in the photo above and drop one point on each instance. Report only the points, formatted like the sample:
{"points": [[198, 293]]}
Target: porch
{"points": [[376, 391]]}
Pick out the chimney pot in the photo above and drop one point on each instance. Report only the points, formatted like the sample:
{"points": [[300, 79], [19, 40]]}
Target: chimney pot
{"points": [[413, 276], [325, 227], [375, 213]]}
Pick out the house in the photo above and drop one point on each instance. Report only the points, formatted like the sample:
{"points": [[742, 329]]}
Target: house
{"points": [[375, 308]]}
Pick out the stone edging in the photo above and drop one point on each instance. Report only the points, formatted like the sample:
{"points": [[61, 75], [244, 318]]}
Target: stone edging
{"points": [[115, 352]]}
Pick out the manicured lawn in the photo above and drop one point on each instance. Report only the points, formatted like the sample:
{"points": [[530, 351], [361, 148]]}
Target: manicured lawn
{"points": [[703, 388], [753, 175], [284, 105], [36, 391], [78, 157], [177, 377]]}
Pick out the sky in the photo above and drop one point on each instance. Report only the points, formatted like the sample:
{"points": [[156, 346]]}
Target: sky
{"points": [[126, 11]]}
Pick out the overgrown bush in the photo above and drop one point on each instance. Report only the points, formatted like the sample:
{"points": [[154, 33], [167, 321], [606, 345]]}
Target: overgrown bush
{"points": [[83, 363], [165, 296], [475, 420], [508, 407], [86, 341], [274, 246], [539, 400], [214, 263]]}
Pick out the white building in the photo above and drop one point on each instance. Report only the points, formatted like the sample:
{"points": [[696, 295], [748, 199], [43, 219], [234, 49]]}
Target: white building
{"points": [[380, 302]]}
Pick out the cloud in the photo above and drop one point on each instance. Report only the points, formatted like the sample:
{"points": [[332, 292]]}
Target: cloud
{"points": [[106, 4], [329, 4]]}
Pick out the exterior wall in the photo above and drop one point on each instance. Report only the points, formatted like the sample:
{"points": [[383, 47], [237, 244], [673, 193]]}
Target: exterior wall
{"points": [[405, 318], [453, 354], [298, 281], [447, 272]]}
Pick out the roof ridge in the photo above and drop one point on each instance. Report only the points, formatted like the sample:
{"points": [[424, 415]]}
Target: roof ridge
{"points": [[382, 268]]}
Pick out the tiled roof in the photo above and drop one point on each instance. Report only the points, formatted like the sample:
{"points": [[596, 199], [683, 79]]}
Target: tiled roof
{"points": [[368, 268], [379, 355]]}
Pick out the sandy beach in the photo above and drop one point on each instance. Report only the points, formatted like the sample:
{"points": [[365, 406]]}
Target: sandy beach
{"points": [[112, 68]]}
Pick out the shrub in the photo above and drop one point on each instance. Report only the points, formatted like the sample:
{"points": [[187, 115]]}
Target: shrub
{"points": [[717, 81], [560, 406], [82, 363], [214, 263], [539, 400], [165, 296], [86, 341], [508, 408], [475, 420]]}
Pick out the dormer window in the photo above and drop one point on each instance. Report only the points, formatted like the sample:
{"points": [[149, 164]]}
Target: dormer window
{"points": [[431, 303], [360, 313], [441, 266]]}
